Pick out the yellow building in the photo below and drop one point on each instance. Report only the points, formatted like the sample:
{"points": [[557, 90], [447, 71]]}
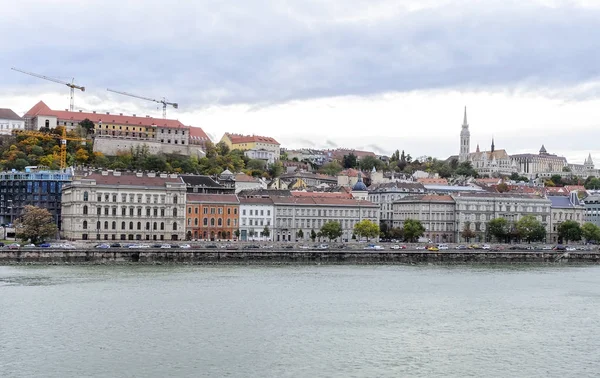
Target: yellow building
{"points": [[251, 142]]}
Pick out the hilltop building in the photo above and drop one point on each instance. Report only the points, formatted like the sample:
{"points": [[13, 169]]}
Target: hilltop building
{"points": [[10, 121], [253, 143]]}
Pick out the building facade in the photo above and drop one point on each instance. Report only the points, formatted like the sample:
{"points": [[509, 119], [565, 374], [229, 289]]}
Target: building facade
{"points": [[564, 208], [542, 164], [10, 121], [212, 216], [435, 212], [251, 142], [205, 184], [592, 209], [34, 187], [307, 214], [257, 215], [474, 210], [124, 206], [384, 196], [261, 154]]}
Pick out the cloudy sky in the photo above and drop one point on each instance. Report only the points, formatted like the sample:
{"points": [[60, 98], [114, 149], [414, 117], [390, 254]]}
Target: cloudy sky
{"points": [[367, 74]]}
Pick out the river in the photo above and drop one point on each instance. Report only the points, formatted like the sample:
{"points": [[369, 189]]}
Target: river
{"points": [[299, 321]]}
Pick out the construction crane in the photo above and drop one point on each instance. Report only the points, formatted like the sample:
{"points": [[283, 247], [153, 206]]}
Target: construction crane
{"points": [[164, 101], [70, 85], [63, 141]]}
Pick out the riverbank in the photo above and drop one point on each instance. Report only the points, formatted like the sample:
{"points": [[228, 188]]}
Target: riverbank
{"points": [[212, 256]]}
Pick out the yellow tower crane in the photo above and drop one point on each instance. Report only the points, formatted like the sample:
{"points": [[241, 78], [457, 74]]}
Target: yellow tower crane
{"points": [[63, 141]]}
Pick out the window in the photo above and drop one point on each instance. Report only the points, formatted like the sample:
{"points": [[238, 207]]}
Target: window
{"points": [[228, 222], [155, 212], [139, 211], [131, 225], [99, 197], [174, 226], [85, 210], [195, 210], [106, 225], [147, 225], [114, 198], [162, 226], [122, 225], [205, 210], [147, 211], [251, 212], [85, 225], [123, 211], [139, 225], [174, 199], [189, 210], [220, 222], [131, 211], [220, 210], [98, 225], [174, 212], [114, 211], [205, 221], [244, 212], [85, 196], [229, 211], [212, 210], [162, 212], [114, 225], [212, 221], [234, 211], [154, 226], [98, 210], [106, 211]]}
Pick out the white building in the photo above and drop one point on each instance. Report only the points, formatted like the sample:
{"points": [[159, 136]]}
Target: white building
{"points": [[435, 212], [565, 208], [245, 182], [256, 214], [384, 195], [293, 214], [10, 121], [261, 154], [124, 206]]}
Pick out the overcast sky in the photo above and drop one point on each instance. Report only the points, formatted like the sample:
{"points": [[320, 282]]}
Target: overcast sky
{"points": [[367, 74]]}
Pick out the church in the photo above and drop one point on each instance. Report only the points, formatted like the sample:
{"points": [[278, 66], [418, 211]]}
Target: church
{"points": [[492, 163]]}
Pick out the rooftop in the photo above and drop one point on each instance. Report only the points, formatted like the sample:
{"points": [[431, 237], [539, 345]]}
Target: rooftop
{"points": [[9, 114], [213, 198], [132, 179], [239, 138]]}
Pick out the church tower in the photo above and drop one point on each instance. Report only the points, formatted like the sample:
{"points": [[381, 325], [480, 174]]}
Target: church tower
{"points": [[465, 140]]}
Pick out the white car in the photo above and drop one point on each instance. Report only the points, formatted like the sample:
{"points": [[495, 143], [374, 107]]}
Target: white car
{"points": [[570, 249], [67, 246], [185, 246], [374, 247], [165, 246], [486, 246]]}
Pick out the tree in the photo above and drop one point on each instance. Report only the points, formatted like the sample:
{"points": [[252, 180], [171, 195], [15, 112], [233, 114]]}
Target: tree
{"points": [[331, 169], [530, 229], [237, 233], [557, 180], [467, 233], [256, 164], [349, 161], [412, 230], [251, 233], [569, 230], [466, 169], [266, 232], [81, 156], [396, 233], [502, 188], [368, 162], [222, 148], [366, 228], [384, 229], [313, 235], [300, 234], [590, 232], [275, 169], [592, 183], [331, 230], [36, 224], [498, 228], [88, 126]]}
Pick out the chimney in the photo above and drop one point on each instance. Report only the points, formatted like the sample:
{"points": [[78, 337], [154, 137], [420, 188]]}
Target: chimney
{"points": [[147, 116], [66, 110], [120, 114], [173, 175], [94, 112], [134, 115], [80, 111], [107, 113], [116, 173], [151, 174], [163, 175], [104, 173]]}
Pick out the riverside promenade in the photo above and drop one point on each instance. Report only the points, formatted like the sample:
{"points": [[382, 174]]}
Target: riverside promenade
{"points": [[287, 256]]}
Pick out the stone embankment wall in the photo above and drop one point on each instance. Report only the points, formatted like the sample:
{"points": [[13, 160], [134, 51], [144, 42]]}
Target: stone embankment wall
{"points": [[151, 256]]}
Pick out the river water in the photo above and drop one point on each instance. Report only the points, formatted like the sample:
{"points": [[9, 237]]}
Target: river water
{"points": [[303, 321]]}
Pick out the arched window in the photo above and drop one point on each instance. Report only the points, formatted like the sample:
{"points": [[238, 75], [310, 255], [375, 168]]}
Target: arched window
{"points": [[220, 222], [174, 226], [147, 225], [98, 225], [189, 221], [205, 221], [85, 210], [212, 221], [195, 221], [114, 225], [131, 225], [162, 226], [85, 225], [174, 212], [174, 199], [86, 196], [154, 226], [106, 225], [228, 222], [122, 225], [139, 225]]}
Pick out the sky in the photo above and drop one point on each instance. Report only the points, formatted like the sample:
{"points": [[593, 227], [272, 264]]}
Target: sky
{"points": [[378, 75]]}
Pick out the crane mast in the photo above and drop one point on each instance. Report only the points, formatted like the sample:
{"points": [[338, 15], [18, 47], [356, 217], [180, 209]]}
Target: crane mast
{"points": [[71, 85], [164, 101]]}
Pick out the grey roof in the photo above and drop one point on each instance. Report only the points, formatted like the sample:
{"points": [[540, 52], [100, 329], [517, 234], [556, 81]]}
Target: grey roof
{"points": [[9, 114], [200, 180], [451, 188], [562, 202]]}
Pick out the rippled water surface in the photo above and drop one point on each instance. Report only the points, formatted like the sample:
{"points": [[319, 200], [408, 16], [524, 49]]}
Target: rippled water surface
{"points": [[309, 321]]}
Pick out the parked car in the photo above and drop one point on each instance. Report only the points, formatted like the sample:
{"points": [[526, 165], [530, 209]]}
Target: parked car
{"points": [[442, 246], [420, 247], [29, 246], [322, 246], [560, 247], [211, 246], [433, 248], [44, 245], [461, 247], [395, 246], [165, 246], [67, 246], [185, 246], [570, 249], [103, 246], [374, 247], [232, 247], [486, 246], [115, 245], [14, 246]]}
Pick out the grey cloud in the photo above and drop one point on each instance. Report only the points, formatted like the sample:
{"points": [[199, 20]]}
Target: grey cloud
{"points": [[207, 52]]}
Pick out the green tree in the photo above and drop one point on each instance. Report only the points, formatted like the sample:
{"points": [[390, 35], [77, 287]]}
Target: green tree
{"points": [[275, 169], [466, 169], [502, 187], [499, 228], [530, 229], [331, 169], [396, 233], [256, 164], [569, 230], [35, 224], [266, 232], [557, 180], [368, 162], [222, 148], [349, 161], [590, 232], [300, 234], [592, 183], [331, 230], [467, 233], [313, 235], [366, 228], [412, 230], [87, 126], [237, 233]]}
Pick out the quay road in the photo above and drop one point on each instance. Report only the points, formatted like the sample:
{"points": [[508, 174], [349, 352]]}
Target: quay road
{"points": [[276, 254]]}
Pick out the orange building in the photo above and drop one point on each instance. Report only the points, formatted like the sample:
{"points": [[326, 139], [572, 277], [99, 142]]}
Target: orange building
{"points": [[212, 216]]}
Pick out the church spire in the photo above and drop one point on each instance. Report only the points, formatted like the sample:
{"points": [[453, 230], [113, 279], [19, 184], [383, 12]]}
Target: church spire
{"points": [[465, 118], [492, 144], [477, 150]]}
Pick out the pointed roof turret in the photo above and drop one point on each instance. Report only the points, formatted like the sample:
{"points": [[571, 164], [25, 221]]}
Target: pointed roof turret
{"points": [[477, 150], [493, 144], [465, 118], [543, 150], [589, 159]]}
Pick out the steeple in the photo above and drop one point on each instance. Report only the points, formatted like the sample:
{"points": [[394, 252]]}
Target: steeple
{"points": [[465, 140], [477, 150], [492, 144]]}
